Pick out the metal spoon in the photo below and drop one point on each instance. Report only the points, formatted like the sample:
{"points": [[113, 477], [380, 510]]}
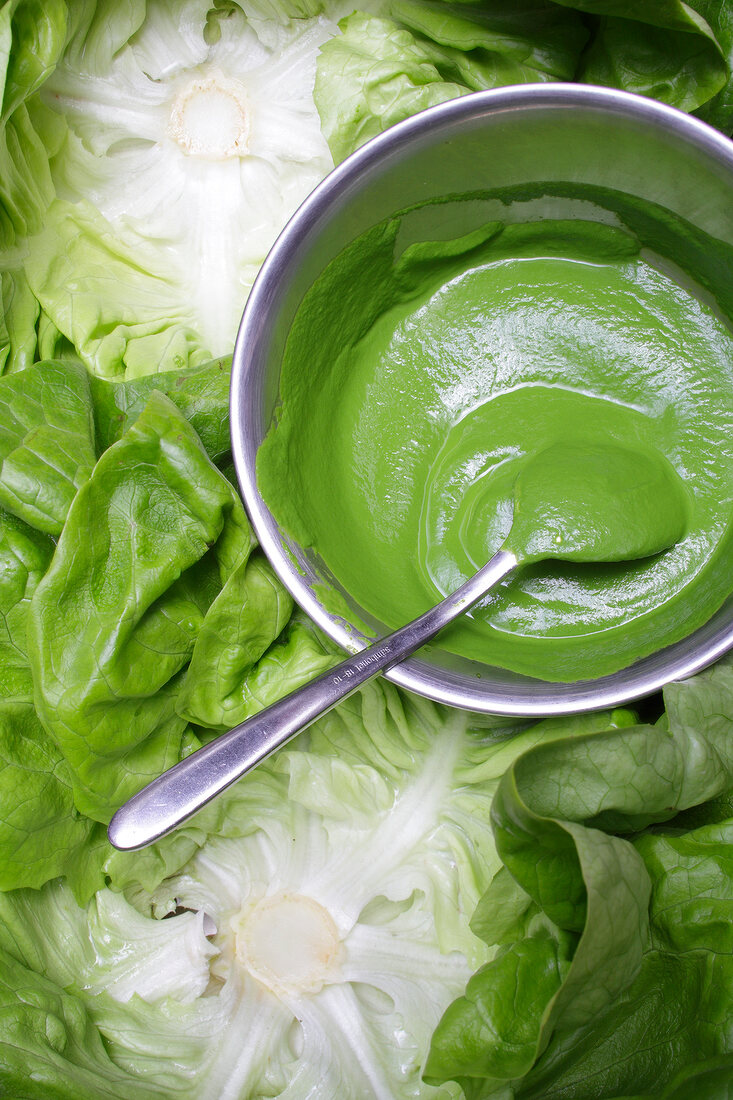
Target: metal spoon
{"points": [[575, 527]]}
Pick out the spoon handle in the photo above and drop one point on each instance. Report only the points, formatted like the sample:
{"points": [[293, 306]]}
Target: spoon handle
{"points": [[184, 789]]}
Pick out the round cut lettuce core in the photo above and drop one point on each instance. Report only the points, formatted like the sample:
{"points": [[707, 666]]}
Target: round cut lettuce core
{"points": [[179, 159], [209, 117], [309, 948], [289, 943]]}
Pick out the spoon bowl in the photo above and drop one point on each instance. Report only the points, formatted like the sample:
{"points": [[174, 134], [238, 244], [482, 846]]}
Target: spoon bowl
{"points": [[596, 503]]}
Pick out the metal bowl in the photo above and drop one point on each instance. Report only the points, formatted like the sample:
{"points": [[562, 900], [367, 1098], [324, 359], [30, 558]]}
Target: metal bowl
{"points": [[509, 138]]}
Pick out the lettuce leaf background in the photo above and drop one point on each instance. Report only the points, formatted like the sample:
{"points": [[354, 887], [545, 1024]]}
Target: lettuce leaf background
{"points": [[412, 54], [630, 931], [381, 814], [591, 855]]}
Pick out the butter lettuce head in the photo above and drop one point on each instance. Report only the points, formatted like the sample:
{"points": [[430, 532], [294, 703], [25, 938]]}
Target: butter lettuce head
{"points": [[151, 153], [308, 949]]}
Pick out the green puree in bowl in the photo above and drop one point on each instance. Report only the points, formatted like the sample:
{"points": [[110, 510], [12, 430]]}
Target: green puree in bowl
{"points": [[421, 376]]}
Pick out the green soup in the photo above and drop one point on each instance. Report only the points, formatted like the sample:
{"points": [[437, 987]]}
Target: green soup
{"points": [[422, 375]]}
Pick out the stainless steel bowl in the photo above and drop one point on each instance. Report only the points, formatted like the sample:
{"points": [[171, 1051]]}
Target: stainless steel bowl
{"points": [[508, 138]]}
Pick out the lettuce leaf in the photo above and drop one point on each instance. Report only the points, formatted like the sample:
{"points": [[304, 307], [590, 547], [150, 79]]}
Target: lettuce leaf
{"points": [[200, 393], [42, 835], [385, 66], [663, 48], [24, 558], [250, 611], [73, 260], [115, 619], [718, 111], [606, 942], [49, 1047], [382, 69], [177, 981], [46, 442], [32, 38], [20, 312]]}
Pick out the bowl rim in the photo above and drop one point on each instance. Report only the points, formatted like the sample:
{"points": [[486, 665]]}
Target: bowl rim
{"points": [[524, 696]]}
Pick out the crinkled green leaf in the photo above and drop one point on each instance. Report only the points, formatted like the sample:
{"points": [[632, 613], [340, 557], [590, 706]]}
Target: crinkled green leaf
{"points": [[100, 29], [684, 69], [297, 656], [20, 313], [676, 1014], [649, 945], [708, 1080], [52, 344], [4, 343], [495, 43], [586, 881], [661, 48], [719, 16], [673, 14], [140, 873], [41, 833], [34, 34], [201, 394], [374, 75], [26, 190], [242, 623], [49, 1047], [384, 68], [114, 621], [692, 895], [46, 442], [89, 948], [24, 558], [485, 1040], [659, 1027]]}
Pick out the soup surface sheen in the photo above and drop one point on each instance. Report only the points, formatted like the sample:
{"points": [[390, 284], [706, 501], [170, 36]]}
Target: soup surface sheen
{"points": [[398, 443]]}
